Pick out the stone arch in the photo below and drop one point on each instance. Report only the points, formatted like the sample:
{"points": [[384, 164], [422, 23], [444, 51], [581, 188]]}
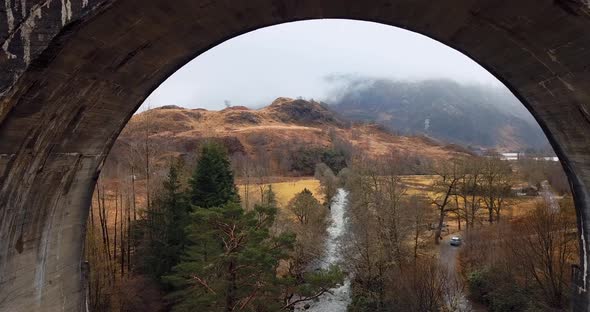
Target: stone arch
{"points": [[74, 71]]}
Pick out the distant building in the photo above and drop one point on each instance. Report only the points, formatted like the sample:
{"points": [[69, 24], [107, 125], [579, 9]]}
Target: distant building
{"points": [[511, 156], [520, 155], [548, 158]]}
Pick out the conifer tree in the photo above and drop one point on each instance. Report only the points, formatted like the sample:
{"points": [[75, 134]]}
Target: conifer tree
{"points": [[212, 183], [232, 263], [164, 227]]}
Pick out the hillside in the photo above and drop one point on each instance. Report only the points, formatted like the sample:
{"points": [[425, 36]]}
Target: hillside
{"points": [[283, 134], [478, 116]]}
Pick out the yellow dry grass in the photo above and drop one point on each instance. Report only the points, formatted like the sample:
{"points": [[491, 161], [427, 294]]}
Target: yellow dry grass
{"points": [[183, 126], [283, 190], [421, 185], [523, 206], [418, 184]]}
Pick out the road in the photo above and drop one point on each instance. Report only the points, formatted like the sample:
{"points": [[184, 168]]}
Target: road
{"points": [[448, 257]]}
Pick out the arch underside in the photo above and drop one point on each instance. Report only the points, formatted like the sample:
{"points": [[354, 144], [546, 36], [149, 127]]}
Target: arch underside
{"points": [[70, 80]]}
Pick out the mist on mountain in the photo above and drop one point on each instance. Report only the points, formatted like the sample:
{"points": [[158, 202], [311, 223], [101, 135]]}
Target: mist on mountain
{"points": [[471, 115]]}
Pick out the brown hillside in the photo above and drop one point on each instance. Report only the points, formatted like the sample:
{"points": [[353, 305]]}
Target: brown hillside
{"points": [[284, 125]]}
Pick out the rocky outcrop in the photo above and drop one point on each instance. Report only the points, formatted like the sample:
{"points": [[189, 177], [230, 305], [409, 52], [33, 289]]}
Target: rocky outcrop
{"points": [[303, 112]]}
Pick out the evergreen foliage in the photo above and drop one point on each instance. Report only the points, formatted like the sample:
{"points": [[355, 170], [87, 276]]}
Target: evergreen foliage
{"points": [[212, 255], [498, 291], [212, 183], [232, 262], [164, 237], [304, 160]]}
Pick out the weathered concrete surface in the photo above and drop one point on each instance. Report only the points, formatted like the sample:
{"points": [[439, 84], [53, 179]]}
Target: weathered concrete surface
{"points": [[73, 71]]}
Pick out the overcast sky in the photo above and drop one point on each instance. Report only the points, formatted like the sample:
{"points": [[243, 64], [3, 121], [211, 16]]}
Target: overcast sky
{"points": [[297, 59]]}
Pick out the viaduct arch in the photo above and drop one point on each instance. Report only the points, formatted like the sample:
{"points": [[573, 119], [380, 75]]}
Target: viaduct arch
{"points": [[72, 72]]}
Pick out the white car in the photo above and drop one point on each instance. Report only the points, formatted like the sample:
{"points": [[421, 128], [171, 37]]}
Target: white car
{"points": [[455, 241]]}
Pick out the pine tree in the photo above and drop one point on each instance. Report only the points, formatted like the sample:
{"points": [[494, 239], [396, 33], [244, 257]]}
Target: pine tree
{"points": [[164, 227], [212, 183], [232, 262]]}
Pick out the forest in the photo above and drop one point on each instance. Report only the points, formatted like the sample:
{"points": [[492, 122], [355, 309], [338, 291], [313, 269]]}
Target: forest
{"points": [[202, 251], [220, 229]]}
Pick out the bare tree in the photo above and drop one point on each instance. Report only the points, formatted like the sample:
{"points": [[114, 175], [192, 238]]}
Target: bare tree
{"points": [[305, 208], [427, 286], [328, 181], [243, 165], [467, 196], [261, 169], [147, 156], [128, 235], [544, 247], [115, 240], [418, 211], [103, 217], [496, 186], [390, 211], [448, 175], [133, 192]]}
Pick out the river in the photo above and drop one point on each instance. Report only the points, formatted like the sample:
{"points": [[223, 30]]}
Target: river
{"points": [[337, 299], [549, 196]]}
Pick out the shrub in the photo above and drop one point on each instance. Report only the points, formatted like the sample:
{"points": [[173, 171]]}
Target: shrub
{"points": [[304, 160], [478, 285], [498, 290]]}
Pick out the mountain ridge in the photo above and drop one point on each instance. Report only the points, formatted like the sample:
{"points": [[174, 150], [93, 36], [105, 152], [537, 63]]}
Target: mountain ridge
{"points": [[469, 115], [277, 131]]}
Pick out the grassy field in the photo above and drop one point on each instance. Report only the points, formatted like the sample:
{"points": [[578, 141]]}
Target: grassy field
{"points": [[416, 185], [284, 190], [517, 207]]}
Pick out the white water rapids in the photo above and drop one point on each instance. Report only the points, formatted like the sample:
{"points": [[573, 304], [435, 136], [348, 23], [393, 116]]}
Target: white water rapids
{"points": [[337, 299]]}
